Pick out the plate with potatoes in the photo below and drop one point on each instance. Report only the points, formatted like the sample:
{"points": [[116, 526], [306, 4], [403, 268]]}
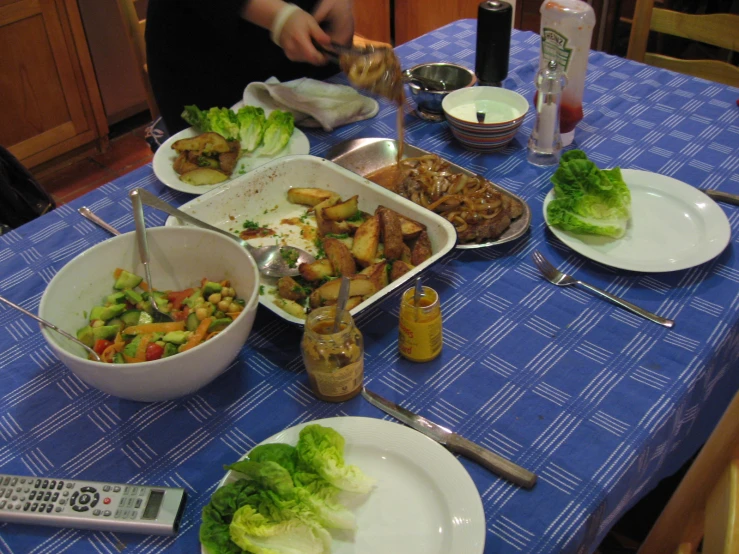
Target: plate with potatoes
{"points": [[354, 227], [195, 162]]}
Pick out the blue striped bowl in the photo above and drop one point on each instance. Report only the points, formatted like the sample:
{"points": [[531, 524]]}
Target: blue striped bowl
{"points": [[504, 109]]}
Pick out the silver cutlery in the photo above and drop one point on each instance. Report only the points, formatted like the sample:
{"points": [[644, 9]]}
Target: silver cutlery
{"points": [[722, 196], [556, 277], [88, 214], [454, 442], [138, 216], [273, 261], [52, 327]]}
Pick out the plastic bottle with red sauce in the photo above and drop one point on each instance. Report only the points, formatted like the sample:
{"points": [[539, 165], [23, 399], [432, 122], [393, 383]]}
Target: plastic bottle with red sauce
{"points": [[566, 31]]}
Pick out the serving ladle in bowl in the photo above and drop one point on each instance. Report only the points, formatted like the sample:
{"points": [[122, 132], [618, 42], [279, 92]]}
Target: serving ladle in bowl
{"points": [[273, 261], [52, 327]]}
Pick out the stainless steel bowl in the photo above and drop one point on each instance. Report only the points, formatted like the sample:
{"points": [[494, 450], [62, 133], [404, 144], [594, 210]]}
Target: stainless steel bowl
{"points": [[429, 83]]}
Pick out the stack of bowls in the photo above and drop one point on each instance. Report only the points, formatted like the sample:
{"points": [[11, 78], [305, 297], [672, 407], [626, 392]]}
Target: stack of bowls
{"points": [[484, 118], [430, 83]]}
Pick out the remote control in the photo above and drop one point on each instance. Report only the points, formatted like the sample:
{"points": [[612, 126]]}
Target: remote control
{"points": [[91, 505]]}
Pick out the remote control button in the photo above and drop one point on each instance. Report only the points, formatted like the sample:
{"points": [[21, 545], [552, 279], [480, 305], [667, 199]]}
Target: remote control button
{"points": [[87, 489], [49, 507], [18, 506], [58, 509], [23, 480], [8, 492], [10, 506], [106, 500], [106, 513], [134, 491], [59, 485], [63, 501], [65, 493], [37, 483], [70, 485], [22, 499], [14, 497], [34, 506], [138, 502], [32, 496], [126, 490], [106, 488], [45, 484], [2, 491], [116, 489], [95, 499], [84, 499], [142, 492], [41, 507], [52, 484], [47, 497], [2, 504], [26, 489], [18, 489], [26, 506], [55, 497], [96, 512], [13, 481], [6, 482], [80, 508]]}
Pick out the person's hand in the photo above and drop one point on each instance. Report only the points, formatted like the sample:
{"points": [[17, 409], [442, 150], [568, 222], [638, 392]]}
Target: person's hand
{"points": [[297, 35], [339, 16]]}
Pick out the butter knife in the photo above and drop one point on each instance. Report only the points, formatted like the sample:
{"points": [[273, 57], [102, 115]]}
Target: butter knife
{"points": [[489, 460], [722, 196]]}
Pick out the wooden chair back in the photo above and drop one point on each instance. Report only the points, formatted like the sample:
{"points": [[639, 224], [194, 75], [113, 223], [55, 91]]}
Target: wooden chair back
{"points": [[705, 506], [718, 30], [133, 13]]}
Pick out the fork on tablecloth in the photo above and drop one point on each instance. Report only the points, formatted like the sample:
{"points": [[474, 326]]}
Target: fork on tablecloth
{"points": [[556, 277]]}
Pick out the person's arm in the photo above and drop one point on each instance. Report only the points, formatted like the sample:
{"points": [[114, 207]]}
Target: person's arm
{"points": [[292, 28]]}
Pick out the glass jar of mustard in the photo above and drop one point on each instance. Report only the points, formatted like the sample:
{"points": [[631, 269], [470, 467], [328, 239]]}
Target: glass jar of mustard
{"points": [[419, 335], [334, 361]]}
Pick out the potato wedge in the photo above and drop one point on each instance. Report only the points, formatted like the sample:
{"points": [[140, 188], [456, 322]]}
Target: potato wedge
{"points": [[291, 307], [351, 302], [206, 143], [410, 228], [182, 164], [289, 288], [392, 236], [342, 211], [366, 240], [228, 161], [399, 269], [320, 269], [359, 285], [377, 273], [421, 249], [203, 176], [340, 256], [406, 255], [309, 196]]}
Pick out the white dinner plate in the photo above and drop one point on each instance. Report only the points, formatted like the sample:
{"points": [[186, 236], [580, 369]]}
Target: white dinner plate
{"points": [[165, 156], [673, 226], [424, 501]]}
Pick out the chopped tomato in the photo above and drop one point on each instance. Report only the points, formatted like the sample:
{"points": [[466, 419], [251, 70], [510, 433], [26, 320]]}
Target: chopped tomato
{"points": [[180, 315], [177, 297], [100, 345], [154, 352]]}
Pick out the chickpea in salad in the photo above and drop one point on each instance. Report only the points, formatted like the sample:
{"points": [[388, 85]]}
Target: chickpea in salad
{"points": [[121, 328]]}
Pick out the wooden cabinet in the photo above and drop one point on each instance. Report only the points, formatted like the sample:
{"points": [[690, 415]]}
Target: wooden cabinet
{"points": [[50, 99], [372, 19]]}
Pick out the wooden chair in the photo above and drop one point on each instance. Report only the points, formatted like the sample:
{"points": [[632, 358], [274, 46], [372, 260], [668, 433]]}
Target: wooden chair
{"points": [[716, 29], [706, 503], [136, 25]]}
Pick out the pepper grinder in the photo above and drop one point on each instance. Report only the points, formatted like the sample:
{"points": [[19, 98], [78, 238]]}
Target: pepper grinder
{"points": [[545, 143], [494, 19]]}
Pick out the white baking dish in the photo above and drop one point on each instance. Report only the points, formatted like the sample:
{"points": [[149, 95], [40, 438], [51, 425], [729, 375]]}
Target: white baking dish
{"points": [[261, 196]]}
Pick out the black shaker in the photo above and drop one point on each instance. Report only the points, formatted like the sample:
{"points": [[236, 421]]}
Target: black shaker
{"points": [[494, 19]]}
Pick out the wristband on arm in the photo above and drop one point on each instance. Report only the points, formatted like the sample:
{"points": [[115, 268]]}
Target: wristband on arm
{"points": [[280, 19]]}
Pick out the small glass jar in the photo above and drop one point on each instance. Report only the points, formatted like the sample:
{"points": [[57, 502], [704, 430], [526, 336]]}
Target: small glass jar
{"points": [[334, 361], [419, 330]]}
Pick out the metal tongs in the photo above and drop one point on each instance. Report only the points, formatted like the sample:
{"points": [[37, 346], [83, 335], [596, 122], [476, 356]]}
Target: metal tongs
{"points": [[337, 50]]}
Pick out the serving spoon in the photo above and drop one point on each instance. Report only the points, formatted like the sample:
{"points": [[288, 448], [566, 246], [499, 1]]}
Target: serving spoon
{"points": [[273, 261], [52, 327]]}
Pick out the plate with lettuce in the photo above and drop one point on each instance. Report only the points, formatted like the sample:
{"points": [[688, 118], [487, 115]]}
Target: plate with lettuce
{"points": [[633, 219], [262, 135], [345, 485]]}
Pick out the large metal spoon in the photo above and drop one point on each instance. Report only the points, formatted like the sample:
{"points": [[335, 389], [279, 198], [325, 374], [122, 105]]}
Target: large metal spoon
{"points": [[273, 261], [52, 327], [138, 216]]}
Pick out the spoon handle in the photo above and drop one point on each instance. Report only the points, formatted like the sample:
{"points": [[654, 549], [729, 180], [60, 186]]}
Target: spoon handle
{"points": [[138, 218], [341, 303], [88, 214], [51, 326]]}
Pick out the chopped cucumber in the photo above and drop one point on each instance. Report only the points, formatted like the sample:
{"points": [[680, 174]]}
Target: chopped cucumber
{"points": [[132, 296], [145, 318], [107, 312], [116, 298], [192, 322], [127, 280], [175, 337], [85, 336], [118, 358], [131, 317], [211, 288], [169, 349], [219, 324], [131, 348]]}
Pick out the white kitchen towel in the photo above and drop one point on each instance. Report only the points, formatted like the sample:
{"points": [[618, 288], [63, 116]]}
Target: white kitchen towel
{"points": [[313, 103]]}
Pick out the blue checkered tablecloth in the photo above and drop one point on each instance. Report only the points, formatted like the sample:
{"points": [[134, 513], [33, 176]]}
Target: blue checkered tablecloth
{"points": [[599, 403]]}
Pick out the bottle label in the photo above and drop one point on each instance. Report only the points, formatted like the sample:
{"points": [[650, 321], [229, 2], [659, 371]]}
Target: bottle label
{"points": [[554, 47], [420, 341], [342, 381]]}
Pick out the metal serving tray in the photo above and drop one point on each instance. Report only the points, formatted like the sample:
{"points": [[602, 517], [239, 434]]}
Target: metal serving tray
{"points": [[261, 196], [363, 156]]}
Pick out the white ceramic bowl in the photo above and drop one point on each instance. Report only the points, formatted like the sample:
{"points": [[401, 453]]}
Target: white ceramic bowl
{"points": [[504, 112], [180, 258]]}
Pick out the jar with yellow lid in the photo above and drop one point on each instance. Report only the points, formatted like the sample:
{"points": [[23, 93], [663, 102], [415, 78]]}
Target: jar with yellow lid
{"points": [[334, 361], [419, 335]]}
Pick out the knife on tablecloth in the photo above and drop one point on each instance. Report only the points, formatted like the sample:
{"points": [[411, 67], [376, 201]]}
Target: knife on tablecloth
{"points": [[497, 464], [721, 196]]}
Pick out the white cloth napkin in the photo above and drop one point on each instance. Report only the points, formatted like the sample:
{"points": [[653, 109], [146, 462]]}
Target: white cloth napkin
{"points": [[313, 103]]}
